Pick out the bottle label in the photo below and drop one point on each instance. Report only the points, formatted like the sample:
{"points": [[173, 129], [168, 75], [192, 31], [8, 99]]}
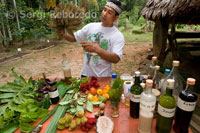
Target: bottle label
{"points": [[135, 98], [186, 106], [147, 106], [166, 112], [53, 94]]}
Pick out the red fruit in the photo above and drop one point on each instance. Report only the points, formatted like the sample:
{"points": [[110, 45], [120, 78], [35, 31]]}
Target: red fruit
{"points": [[88, 125], [82, 86], [93, 82], [93, 78], [97, 85], [92, 120], [84, 128]]}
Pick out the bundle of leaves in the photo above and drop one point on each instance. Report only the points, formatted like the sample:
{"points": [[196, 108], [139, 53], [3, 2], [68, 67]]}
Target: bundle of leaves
{"points": [[19, 105], [67, 17]]}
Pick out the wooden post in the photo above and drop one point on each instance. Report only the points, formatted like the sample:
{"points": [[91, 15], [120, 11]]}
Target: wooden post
{"points": [[160, 39]]}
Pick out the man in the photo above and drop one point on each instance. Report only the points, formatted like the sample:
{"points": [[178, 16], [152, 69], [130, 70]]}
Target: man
{"points": [[103, 42]]}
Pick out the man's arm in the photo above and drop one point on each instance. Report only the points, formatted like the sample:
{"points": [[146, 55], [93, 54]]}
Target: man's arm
{"points": [[68, 37], [108, 56]]}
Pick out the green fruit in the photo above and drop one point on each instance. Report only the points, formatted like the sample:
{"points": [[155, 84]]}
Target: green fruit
{"points": [[102, 106], [61, 127], [67, 124], [73, 124], [78, 121], [68, 118], [102, 98], [79, 114], [62, 121], [83, 120]]}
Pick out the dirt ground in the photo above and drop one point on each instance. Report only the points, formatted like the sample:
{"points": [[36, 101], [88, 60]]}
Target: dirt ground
{"points": [[49, 61]]}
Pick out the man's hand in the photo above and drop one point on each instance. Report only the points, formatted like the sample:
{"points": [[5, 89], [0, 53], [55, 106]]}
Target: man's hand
{"points": [[90, 46]]}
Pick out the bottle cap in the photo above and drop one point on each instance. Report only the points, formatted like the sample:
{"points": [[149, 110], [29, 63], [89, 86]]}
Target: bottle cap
{"points": [[191, 81], [137, 73], [170, 83], [154, 58], [142, 85], [167, 71], [114, 75], [176, 63], [149, 82], [157, 67], [156, 92]]}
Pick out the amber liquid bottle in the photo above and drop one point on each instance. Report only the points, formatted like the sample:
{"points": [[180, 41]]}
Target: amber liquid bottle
{"points": [[135, 92], [66, 69], [185, 107]]}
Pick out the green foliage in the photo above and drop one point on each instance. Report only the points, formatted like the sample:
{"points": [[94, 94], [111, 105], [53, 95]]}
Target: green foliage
{"points": [[116, 90], [22, 107]]}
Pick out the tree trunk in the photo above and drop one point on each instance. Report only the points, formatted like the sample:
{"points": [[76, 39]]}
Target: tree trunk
{"points": [[3, 30], [15, 6], [8, 26], [1, 41]]}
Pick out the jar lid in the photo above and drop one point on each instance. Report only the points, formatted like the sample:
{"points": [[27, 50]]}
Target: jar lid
{"points": [[157, 67], [149, 82], [170, 83], [191, 81], [137, 73], [176, 63], [154, 58], [114, 75]]}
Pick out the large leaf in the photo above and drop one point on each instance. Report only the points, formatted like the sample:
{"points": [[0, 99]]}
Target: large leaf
{"points": [[7, 95], [25, 127], [10, 87], [10, 128], [79, 108], [3, 109], [89, 106]]}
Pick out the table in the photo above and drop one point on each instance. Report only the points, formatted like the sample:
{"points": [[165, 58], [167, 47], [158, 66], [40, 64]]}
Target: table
{"points": [[123, 124]]}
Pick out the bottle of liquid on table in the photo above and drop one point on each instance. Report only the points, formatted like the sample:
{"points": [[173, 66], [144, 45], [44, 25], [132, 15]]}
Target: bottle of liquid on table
{"points": [[135, 93], [127, 85], [185, 107], [166, 73], [147, 106], [166, 109], [66, 69], [151, 69], [156, 78], [174, 74]]}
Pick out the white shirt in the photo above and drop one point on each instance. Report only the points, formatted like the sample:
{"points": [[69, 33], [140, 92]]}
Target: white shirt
{"points": [[109, 38]]}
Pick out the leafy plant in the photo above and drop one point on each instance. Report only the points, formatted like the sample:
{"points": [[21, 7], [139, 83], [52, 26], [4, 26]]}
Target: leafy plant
{"points": [[22, 106], [116, 90]]}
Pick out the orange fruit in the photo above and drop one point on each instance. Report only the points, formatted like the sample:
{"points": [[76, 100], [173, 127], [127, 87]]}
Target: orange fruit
{"points": [[95, 99], [106, 95], [93, 91], [99, 91], [105, 91]]}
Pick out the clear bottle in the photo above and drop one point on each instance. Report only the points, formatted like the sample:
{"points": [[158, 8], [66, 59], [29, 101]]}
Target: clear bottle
{"points": [[127, 85], [151, 67], [156, 77], [147, 106], [166, 109], [174, 74], [66, 69], [114, 76], [135, 93], [166, 73], [185, 107]]}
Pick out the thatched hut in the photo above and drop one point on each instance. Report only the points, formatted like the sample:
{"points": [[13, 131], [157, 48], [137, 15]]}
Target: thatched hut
{"points": [[165, 12]]}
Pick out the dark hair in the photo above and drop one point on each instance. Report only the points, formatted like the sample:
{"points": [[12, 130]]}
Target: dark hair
{"points": [[118, 3]]}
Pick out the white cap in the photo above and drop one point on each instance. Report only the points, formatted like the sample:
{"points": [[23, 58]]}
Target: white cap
{"points": [[157, 67], [176, 63], [137, 73], [154, 58], [170, 83]]}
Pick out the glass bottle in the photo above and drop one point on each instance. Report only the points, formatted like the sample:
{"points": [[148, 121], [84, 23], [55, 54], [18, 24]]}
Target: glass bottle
{"points": [[156, 77], [66, 69], [147, 106], [114, 76], [151, 67], [135, 93], [166, 109], [174, 74], [54, 95], [166, 73], [185, 107], [127, 85]]}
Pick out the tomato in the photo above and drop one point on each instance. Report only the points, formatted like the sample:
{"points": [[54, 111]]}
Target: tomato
{"points": [[93, 90]]}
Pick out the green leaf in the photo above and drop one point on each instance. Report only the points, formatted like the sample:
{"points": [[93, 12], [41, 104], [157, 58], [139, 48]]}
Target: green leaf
{"points": [[25, 127], [10, 128], [70, 91], [65, 102], [75, 97], [5, 100], [3, 109], [73, 110], [80, 102], [79, 108], [96, 103], [89, 106], [10, 87], [42, 112], [7, 95]]}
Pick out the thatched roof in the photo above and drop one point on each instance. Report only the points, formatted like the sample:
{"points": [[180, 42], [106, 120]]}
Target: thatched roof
{"points": [[183, 11]]}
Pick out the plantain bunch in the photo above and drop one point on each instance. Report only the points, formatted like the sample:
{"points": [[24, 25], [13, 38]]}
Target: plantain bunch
{"points": [[67, 17]]}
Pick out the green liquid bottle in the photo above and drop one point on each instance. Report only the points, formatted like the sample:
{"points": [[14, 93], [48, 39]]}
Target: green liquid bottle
{"points": [[166, 109], [135, 92]]}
